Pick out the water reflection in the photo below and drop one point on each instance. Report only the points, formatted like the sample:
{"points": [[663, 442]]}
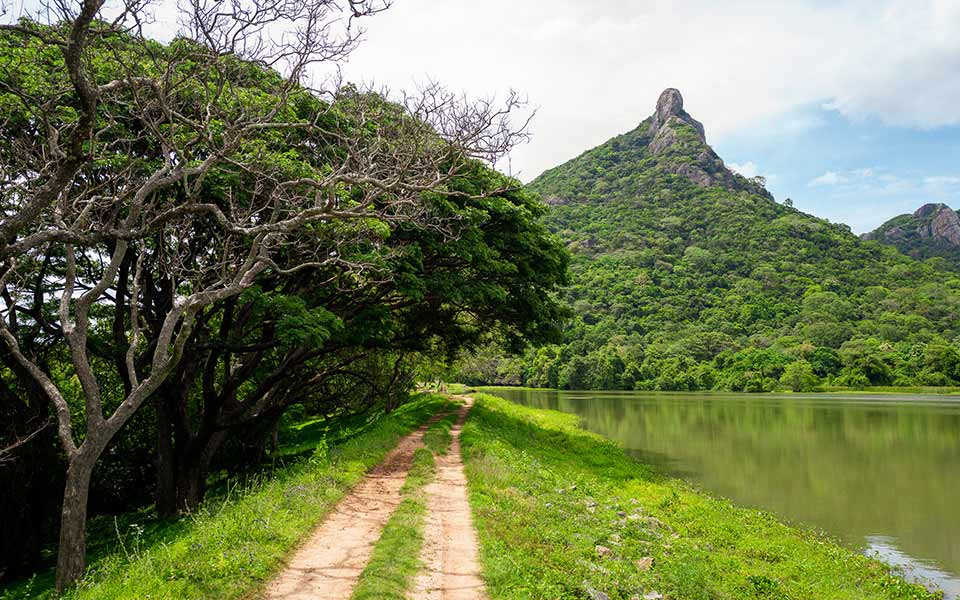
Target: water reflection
{"points": [[882, 473]]}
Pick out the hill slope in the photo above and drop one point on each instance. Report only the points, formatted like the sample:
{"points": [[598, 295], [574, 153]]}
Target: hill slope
{"points": [[689, 276], [932, 231]]}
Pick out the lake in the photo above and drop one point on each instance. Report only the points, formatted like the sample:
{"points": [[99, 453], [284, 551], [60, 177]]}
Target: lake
{"points": [[882, 473]]}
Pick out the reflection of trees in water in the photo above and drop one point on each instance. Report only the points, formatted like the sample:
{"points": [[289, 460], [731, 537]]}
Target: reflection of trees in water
{"points": [[851, 467]]}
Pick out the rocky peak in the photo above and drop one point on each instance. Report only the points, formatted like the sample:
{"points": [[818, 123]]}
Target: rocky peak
{"points": [[932, 230], [679, 142], [928, 210], [944, 224], [669, 105]]}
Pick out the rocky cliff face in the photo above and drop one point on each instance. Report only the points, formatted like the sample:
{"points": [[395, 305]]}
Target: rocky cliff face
{"points": [[680, 142], [670, 106], [944, 223], [933, 230]]}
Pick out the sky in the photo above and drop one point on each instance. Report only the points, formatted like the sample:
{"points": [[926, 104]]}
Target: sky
{"points": [[851, 108]]}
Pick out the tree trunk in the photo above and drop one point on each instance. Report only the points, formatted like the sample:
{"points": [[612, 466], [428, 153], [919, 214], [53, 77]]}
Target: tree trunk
{"points": [[166, 502], [32, 482], [191, 486], [71, 557], [192, 473]]}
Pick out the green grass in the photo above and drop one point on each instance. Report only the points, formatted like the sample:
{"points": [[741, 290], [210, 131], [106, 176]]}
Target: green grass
{"points": [[438, 437], [235, 543], [396, 556], [562, 513], [450, 388]]}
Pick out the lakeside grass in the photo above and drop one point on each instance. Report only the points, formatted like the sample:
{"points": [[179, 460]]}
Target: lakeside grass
{"points": [[562, 513], [238, 539], [889, 389], [396, 555]]}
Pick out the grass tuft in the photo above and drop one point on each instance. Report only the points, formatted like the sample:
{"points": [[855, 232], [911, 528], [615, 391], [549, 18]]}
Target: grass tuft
{"points": [[438, 437]]}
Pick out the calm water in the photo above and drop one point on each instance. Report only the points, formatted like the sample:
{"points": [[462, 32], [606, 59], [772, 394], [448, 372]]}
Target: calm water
{"points": [[880, 472]]}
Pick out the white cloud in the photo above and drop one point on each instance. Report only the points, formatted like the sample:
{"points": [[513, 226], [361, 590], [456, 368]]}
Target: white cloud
{"points": [[828, 178], [900, 74], [747, 169], [595, 69], [942, 185], [875, 182]]}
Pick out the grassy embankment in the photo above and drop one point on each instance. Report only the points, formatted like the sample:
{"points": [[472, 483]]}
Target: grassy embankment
{"points": [[238, 539], [563, 513], [396, 555]]}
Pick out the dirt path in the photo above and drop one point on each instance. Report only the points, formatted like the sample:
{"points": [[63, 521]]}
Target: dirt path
{"points": [[329, 564], [451, 568]]}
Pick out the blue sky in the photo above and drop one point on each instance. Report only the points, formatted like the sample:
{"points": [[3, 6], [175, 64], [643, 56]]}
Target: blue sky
{"points": [[859, 172]]}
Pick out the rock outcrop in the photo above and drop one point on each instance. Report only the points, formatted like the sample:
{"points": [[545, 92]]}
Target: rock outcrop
{"points": [[680, 143], [669, 105], [932, 230], [944, 223]]}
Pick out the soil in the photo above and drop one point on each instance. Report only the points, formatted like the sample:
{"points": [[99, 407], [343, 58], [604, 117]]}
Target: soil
{"points": [[451, 568], [328, 565], [331, 560]]}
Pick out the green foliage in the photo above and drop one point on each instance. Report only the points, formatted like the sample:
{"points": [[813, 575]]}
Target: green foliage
{"points": [[798, 376], [563, 513], [297, 322]]}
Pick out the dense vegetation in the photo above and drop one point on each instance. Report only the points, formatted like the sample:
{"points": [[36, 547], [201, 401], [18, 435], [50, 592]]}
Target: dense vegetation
{"points": [[563, 513], [680, 286], [194, 244]]}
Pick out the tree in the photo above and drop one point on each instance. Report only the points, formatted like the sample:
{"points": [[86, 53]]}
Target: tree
{"points": [[345, 339], [799, 376], [115, 146], [825, 362]]}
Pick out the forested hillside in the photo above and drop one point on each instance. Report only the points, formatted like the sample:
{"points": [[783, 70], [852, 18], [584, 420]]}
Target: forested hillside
{"points": [[687, 276]]}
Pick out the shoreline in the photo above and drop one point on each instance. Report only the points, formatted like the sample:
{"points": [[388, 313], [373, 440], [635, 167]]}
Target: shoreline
{"points": [[880, 392]]}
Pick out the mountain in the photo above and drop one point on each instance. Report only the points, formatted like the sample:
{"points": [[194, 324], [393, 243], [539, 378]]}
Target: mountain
{"points": [[686, 275], [670, 142], [932, 231]]}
